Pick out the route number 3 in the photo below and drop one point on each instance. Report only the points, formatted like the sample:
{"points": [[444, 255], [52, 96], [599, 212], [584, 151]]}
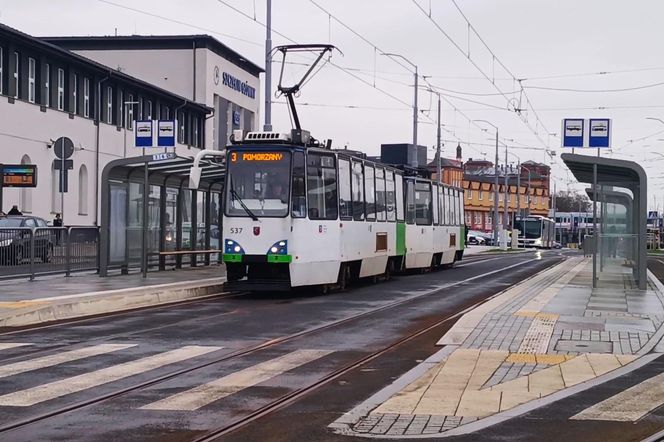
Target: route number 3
{"points": [[236, 229]]}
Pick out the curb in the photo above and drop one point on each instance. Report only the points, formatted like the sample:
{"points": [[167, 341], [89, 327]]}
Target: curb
{"points": [[110, 301]]}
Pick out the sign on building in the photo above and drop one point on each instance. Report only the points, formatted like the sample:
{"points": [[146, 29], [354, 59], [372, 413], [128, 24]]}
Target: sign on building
{"points": [[19, 175]]}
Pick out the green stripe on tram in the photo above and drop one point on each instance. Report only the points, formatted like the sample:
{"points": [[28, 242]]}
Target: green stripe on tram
{"points": [[462, 243], [401, 239]]}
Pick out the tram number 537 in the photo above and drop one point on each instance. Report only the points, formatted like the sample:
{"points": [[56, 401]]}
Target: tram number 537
{"points": [[236, 229]]}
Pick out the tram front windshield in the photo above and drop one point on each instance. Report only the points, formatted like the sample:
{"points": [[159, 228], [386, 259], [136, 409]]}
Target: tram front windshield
{"points": [[530, 229], [258, 183]]}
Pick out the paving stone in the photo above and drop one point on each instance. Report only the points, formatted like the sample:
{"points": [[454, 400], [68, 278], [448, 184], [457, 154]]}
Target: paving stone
{"points": [[585, 346]]}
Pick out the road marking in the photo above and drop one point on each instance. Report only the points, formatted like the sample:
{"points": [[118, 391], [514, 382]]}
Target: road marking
{"points": [[8, 345], [629, 405], [205, 394], [52, 390], [60, 358]]}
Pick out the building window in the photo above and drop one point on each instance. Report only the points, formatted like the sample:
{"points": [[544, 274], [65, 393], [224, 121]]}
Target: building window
{"points": [[130, 112], [180, 123], [31, 80], [480, 195], [83, 190], [2, 78], [86, 97], [478, 218], [195, 140], [109, 105], [140, 108], [61, 89], [470, 194], [74, 94], [47, 86], [148, 110], [122, 105], [16, 62], [490, 196]]}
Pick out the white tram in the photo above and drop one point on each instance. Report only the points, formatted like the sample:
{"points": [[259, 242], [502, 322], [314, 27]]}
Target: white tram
{"points": [[297, 214], [535, 231]]}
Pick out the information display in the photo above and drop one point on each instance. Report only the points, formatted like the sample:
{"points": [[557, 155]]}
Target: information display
{"points": [[256, 156], [19, 175]]}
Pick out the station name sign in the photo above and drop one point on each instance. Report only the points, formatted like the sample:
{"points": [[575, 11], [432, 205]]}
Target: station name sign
{"points": [[236, 84]]}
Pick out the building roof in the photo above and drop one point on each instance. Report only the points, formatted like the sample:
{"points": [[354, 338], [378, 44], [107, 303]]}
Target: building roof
{"points": [[129, 42], [445, 162], [93, 65]]}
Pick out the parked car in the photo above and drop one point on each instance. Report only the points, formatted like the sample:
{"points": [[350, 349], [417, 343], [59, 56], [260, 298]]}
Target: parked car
{"points": [[15, 239], [557, 245], [476, 240]]}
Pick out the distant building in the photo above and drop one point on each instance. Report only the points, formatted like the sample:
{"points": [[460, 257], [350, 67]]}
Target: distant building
{"points": [[451, 170]]}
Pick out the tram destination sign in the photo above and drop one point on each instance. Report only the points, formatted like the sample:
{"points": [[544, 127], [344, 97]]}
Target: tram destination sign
{"points": [[18, 175], [257, 156]]}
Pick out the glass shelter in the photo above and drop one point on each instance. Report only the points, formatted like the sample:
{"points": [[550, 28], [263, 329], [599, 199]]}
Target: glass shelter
{"points": [[167, 225]]}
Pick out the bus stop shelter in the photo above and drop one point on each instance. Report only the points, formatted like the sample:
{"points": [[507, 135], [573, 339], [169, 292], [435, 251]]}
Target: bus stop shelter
{"points": [[619, 195], [151, 219]]}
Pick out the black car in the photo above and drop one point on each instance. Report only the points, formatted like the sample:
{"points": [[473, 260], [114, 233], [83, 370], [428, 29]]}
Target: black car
{"points": [[15, 239]]}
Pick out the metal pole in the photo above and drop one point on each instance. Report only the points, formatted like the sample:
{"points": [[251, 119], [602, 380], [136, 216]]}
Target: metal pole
{"points": [[440, 177], [495, 197], [555, 227], [144, 236], [518, 194], [507, 205], [268, 68], [595, 226], [415, 111]]}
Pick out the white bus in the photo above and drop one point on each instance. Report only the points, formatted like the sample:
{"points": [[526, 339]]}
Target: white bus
{"points": [[535, 231]]}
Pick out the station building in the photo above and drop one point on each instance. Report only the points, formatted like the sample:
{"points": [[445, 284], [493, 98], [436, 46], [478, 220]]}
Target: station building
{"points": [[48, 91], [197, 67]]}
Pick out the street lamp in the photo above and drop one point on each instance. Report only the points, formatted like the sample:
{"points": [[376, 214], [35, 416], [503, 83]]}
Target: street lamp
{"points": [[389, 54], [496, 184]]}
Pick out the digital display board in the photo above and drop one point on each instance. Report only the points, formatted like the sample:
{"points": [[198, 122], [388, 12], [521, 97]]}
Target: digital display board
{"points": [[257, 156], [19, 175]]}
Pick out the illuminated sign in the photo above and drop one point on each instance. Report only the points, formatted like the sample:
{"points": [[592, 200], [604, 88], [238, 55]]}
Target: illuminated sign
{"points": [[256, 156], [19, 175]]}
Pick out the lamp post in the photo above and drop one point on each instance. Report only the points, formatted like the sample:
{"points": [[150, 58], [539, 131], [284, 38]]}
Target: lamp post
{"points": [[389, 54], [496, 184]]}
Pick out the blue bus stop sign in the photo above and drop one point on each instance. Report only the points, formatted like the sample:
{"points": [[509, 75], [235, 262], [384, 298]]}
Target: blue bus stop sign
{"points": [[600, 132], [573, 129]]}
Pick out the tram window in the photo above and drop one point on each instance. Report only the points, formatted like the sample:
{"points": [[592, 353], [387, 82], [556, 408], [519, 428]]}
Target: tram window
{"points": [[299, 201], [456, 206], [370, 192], [380, 194], [441, 205], [423, 203], [357, 190], [462, 217], [345, 201], [448, 206], [435, 204], [321, 187], [410, 202], [390, 196], [398, 198]]}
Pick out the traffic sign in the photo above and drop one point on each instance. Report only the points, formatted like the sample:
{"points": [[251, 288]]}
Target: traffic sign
{"points": [[143, 133], [573, 131], [166, 133], [600, 132]]}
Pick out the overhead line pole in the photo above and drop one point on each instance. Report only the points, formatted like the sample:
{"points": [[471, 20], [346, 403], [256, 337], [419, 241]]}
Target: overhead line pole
{"points": [[268, 68]]}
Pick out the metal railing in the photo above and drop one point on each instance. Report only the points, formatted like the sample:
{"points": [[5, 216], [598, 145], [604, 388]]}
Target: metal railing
{"points": [[27, 252]]}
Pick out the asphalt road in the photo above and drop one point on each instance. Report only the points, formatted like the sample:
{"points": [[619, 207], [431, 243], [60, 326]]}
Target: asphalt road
{"points": [[182, 373]]}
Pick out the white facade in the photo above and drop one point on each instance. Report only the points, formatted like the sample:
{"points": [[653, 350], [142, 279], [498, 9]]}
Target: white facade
{"points": [[27, 136], [198, 74]]}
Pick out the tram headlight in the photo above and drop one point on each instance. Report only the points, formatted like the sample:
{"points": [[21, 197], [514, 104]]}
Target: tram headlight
{"points": [[279, 248], [231, 246]]}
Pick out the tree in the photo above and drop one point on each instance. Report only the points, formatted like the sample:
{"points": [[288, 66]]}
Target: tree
{"points": [[571, 201]]}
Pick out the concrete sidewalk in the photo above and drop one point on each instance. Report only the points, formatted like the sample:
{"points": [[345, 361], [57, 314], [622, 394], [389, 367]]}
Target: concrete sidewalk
{"points": [[546, 336], [56, 298]]}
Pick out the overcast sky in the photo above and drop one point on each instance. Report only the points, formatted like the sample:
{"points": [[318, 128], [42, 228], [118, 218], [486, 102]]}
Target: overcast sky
{"points": [[592, 48]]}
